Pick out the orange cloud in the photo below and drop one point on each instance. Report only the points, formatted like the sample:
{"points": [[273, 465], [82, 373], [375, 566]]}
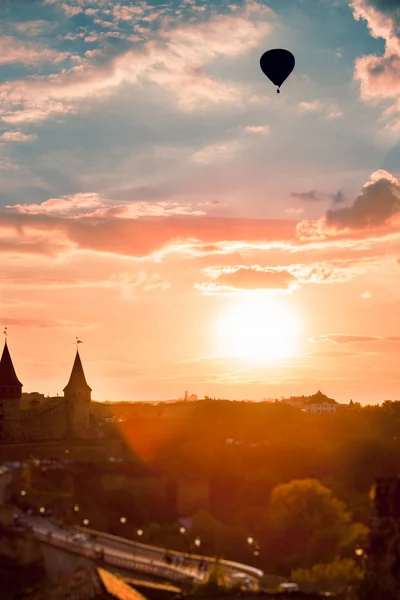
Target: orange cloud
{"points": [[344, 338], [133, 237], [46, 324], [252, 278]]}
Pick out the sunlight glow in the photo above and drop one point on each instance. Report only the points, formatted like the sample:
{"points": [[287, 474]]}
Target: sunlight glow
{"points": [[262, 328]]}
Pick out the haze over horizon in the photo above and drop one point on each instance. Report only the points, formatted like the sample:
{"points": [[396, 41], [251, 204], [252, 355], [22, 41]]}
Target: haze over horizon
{"points": [[193, 228]]}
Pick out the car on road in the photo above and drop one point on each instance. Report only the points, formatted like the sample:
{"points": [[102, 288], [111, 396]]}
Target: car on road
{"points": [[242, 578], [288, 586], [80, 538]]}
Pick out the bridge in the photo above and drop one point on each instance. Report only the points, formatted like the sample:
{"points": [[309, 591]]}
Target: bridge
{"points": [[132, 556]]}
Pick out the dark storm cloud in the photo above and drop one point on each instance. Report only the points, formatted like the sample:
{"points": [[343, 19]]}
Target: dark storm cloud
{"points": [[378, 201]]}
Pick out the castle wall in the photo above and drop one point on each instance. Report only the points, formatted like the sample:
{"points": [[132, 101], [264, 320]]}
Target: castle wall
{"points": [[28, 398], [9, 419], [79, 415], [46, 424]]}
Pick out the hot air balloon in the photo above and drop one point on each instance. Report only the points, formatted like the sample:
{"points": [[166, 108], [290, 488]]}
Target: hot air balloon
{"points": [[277, 65]]}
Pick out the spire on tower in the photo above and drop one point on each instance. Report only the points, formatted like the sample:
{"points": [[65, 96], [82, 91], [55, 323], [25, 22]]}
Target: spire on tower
{"points": [[8, 375], [77, 379]]}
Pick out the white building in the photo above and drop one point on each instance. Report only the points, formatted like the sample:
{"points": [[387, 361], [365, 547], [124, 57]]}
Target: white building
{"points": [[324, 408]]}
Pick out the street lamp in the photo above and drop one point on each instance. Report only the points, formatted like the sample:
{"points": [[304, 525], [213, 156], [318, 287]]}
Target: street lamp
{"points": [[123, 519], [182, 530], [359, 551], [42, 509], [140, 532], [23, 492], [86, 522], [76, 508], [250, 540], [197, 542]]}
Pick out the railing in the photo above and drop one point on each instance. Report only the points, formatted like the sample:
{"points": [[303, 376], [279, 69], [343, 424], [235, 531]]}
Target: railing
{"points": [[135, 564], [231, 565]]}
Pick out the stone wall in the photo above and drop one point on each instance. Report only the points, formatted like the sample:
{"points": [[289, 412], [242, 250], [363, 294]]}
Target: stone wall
{"points": [[58, 562], [45, 424], [20, 547]]}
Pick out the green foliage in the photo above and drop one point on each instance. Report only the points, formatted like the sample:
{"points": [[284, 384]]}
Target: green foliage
{"points": [[307, 521], [215, 584], [335, 576]]}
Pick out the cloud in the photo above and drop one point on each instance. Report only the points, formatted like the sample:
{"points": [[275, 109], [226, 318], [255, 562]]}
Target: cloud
{"points": [[331, 354], [377, 203], [13, 50], [251, 278], [216, 152], [176, 62], [126, 13], [312, 106], [379, 75], [65, 204], [139, 237], [46, 324], [344, 338], [366, 295], [333, 271], [32, 27], [260, 129], [294, 211], [315, 196], [82, 205], [17, 136], [123, 282], [375, 209]]}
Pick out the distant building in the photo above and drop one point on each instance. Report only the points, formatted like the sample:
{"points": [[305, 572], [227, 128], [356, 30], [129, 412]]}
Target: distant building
{"points": [[296, 401], [32, 417], [191, 398], [318, 403]]}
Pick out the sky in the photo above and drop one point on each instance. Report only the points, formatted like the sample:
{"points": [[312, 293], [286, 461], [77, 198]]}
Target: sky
{"points": [[194, 229]]}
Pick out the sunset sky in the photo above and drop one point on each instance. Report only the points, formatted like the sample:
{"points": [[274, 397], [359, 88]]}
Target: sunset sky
{"points": [[193, 228]]}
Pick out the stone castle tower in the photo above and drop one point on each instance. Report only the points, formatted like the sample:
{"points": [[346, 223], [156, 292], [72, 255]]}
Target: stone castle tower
{"points": [[77, 395], [10, 398]]}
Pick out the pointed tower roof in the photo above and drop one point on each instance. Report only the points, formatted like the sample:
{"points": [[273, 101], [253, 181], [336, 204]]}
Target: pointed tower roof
{"points": [[8, 375], [77, 379]]}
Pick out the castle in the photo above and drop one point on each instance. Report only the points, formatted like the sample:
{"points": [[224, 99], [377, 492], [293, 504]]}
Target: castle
{"points": [[67, 417]]}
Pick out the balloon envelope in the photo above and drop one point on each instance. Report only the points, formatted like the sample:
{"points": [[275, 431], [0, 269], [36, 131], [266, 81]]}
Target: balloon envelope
{"points": [[277, 65]]}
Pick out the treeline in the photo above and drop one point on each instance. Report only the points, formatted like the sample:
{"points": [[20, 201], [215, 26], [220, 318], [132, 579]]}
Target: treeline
{"points": [[263, 445]]}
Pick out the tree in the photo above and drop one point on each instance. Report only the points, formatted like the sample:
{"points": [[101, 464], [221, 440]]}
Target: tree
{"points": [[307, 522], [335, 576]]}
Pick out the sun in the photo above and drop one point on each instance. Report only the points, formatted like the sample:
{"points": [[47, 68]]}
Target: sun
{"points": [[262, 329]]}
